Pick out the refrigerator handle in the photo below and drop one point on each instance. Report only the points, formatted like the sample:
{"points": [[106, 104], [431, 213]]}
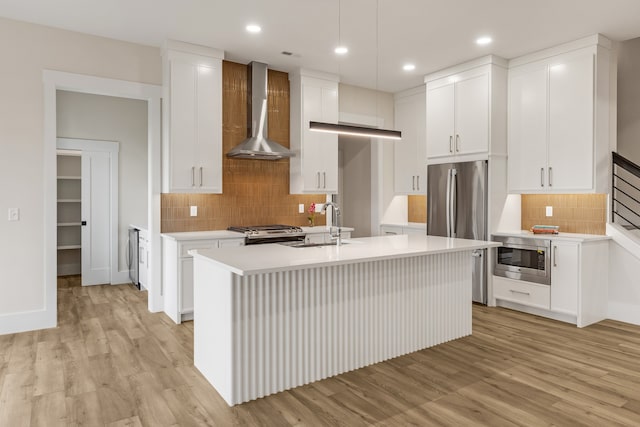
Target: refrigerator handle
{"points": [[454, 204], [448, 203]]}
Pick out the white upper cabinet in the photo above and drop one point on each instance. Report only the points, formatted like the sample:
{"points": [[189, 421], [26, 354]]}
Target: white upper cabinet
{"points": [[559, 119], [458, 115], [570, 158], [192, 147], [409, 153], [528, 126], [472, 115], [439, 115], [314, 168]]}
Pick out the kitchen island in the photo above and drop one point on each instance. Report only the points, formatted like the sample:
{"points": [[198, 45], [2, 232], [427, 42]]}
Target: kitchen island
{"points": [[271, 317]]}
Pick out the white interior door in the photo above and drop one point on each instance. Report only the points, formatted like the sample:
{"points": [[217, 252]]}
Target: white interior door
{"points": [[96, 217]]}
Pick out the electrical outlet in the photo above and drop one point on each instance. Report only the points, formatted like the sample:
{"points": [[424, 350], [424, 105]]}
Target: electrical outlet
{"points": [[301, 208], [549, 211], [14, 214], [194, 211], [319, 207]]}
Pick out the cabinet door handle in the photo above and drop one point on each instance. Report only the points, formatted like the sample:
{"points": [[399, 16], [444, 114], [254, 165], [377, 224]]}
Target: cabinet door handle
{"points": [[324, 180], [193, 176], [451, 143], [318, 179], [555, 254], [200, 176], [541, 177], [457, 143], [519, 292], [413, 182], [418, 182], [550, 177]]}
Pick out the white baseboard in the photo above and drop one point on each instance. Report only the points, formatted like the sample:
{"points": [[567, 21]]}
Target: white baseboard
{"points": [[623, 312], [27, 321], [562, 317], [121, 277]]}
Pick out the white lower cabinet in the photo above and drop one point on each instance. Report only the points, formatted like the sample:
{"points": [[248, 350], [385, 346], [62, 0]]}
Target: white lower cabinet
{"points": [[143, 259], [565, 271], [412, 228], [518, 291], [578, 290], [178, 273]]}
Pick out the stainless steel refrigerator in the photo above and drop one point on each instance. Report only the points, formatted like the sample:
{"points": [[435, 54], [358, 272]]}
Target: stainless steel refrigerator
{"points": [[457, 207]]}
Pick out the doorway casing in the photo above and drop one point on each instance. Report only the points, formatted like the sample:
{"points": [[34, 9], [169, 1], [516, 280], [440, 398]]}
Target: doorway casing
{"points": [[57, 80]]}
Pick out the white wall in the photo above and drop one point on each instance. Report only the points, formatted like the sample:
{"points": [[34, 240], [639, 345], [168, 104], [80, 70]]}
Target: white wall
{"points": [[624, 285], [629, 99], [368, 102], [26, 50], [123, 120]]}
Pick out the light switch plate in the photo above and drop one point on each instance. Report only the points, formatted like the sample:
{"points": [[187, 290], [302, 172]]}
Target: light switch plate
{"points": [[301, 208], [14, 214], [194, 211], [319, 207], [549, 211]]}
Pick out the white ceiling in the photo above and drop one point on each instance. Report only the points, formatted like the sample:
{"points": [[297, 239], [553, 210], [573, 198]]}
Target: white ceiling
{"points": [[433, 34]]}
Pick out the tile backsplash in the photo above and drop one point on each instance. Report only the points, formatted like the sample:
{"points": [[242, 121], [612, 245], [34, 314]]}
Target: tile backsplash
{"points": [[417, 209], [255, 192], [574, 213]]}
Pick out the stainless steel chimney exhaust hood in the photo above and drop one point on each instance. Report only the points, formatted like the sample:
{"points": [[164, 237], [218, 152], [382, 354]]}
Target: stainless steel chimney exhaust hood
{"points": [[258, 146]]}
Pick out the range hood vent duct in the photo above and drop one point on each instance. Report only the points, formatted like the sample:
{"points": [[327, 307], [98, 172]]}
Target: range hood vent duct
{"points": [[258, 146]]}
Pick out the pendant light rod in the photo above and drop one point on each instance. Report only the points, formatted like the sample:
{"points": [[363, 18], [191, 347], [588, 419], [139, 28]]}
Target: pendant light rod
{"points": [[364, 131]]}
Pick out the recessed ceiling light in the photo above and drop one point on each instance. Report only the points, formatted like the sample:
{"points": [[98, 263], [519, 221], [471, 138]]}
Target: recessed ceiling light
{"points": [[253, 28], [341, 50], [408, 67], [484, 40]]}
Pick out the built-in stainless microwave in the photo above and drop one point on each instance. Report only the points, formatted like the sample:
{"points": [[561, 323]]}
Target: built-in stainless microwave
{"points": [[523, 258]]}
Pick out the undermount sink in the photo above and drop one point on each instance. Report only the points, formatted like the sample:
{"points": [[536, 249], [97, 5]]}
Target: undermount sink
{"points": [[311, 245]]}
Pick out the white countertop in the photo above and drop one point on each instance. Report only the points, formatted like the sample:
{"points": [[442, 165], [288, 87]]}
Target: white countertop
{"points": [[204, 235], [575, 237], [258, 259]]}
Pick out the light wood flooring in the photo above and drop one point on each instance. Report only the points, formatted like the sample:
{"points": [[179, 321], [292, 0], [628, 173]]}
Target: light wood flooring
{"points": [[111, 362]]}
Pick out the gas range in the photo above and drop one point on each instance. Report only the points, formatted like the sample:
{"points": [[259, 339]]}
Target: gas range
{"points": [[274, 233]]}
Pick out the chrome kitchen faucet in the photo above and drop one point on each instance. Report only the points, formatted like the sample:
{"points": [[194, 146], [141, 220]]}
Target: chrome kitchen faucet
{"points": [[336, 210]]}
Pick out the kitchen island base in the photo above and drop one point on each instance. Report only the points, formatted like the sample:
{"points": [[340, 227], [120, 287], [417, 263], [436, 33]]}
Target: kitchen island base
{"points": [[259, 334]]}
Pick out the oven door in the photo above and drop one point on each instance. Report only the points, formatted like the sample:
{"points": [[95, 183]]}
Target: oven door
{"points": [[524, 259]]}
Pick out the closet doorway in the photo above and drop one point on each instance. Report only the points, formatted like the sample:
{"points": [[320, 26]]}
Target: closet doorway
{"points": [[87, 209]]}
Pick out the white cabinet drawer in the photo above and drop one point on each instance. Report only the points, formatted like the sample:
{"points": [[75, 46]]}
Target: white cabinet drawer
{"points": [[531, 294], [200, 244]]}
